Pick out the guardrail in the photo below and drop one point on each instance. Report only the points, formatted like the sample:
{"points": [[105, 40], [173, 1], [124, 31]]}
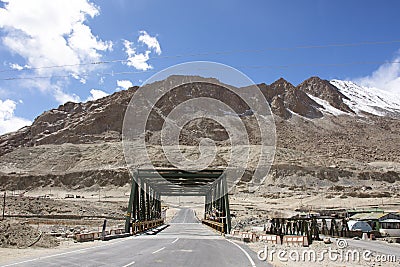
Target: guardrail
{"points": [[215, 225], [138, 227]]}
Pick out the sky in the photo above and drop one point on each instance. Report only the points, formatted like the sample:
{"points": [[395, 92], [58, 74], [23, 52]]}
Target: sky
{"points": [[55, 51]]}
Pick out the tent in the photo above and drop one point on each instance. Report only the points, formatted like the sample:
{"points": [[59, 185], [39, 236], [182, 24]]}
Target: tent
{"points": [[359, 225]]}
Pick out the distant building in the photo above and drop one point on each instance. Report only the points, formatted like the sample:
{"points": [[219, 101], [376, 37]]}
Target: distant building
{"points": [[390, 227], [374, 219]]}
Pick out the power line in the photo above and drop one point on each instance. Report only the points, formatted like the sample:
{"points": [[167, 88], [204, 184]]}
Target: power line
{"points": [[238, 67], [209, 53], [322, 64], [79, 76]]}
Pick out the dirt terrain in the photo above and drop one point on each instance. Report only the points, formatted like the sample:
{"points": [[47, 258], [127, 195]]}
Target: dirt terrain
{"points": [[22, 235]]}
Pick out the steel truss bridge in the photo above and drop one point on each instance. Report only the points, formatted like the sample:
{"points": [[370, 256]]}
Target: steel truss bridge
{"points": [[149, 185]]}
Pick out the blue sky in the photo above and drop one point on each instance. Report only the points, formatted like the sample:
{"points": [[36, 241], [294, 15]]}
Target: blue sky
{"points": [[265, 40]]}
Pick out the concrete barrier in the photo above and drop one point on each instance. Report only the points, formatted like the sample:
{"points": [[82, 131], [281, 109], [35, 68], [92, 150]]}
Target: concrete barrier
{"points": [[91, 236], [294, 240], [251, 237], [235, 232], [85, 237], [270, 239]]}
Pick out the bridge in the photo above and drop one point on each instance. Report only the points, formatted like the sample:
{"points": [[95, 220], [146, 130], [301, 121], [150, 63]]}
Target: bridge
{"points": [[149, 185]]}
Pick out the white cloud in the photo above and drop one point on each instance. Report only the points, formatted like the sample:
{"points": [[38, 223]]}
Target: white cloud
{"points": [[63, 97], [136, 60], [48, 33], [126, 84], [151, 42], [386, 77], [139, 60], [8, 121], [96, 94], [52, 33], [16, 66]]}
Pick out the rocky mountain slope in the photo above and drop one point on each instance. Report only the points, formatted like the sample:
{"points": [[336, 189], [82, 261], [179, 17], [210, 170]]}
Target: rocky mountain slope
{"points": [[327, 133]]}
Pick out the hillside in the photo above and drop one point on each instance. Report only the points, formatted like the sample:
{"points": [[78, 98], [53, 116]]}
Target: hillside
{"points": [[328, 133]]}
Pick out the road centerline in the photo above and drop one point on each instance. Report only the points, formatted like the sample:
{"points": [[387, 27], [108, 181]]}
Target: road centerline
{"points": [[158, 250], [129, 264]]}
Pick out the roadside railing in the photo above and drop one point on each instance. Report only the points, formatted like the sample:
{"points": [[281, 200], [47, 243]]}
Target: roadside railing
{"points": [[139, 227], [215, 225]]}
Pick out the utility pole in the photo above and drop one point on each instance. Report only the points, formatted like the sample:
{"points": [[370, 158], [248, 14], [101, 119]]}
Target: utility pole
{"points": [[4, 204]]}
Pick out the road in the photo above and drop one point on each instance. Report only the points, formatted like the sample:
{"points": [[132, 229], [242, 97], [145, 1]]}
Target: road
{"points": [[186, 242], [376, 246]]}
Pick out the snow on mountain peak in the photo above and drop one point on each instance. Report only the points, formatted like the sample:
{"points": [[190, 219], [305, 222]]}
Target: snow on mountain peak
{"points": [[367, 99]]}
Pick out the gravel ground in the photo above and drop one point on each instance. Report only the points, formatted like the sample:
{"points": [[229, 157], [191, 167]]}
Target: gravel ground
{"points": [[17, 234]]}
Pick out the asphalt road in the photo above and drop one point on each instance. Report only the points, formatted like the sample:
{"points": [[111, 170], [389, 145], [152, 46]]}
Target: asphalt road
{"points": [[380, 248], [186, 242]]}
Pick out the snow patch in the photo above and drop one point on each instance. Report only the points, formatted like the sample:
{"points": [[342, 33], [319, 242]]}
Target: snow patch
{"points": [[368, 99], [327, 107]]}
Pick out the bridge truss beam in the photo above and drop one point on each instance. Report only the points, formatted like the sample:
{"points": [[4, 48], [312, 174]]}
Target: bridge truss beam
{"points": [[149, 185]]}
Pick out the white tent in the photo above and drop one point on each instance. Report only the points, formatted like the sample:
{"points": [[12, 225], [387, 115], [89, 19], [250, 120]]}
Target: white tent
{"points": [[359, 225]]}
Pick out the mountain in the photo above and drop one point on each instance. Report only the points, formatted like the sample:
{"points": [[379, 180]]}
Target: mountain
{"points": [[90, 122], [328, 132], [364, 100], [294, 100], [324, 90]]}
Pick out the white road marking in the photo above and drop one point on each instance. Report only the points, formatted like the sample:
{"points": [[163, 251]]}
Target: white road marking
{"points": [[175, 240], [245, 252], [64, 253], [186, 223], [186, 213], [180, 236], [129, 264], [158, 250], [186, 250]]}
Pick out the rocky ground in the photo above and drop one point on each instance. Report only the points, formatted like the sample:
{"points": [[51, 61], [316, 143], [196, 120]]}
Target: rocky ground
{"points": [[17, 234]]}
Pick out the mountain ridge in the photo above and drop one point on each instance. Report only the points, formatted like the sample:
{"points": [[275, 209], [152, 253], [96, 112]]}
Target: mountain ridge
{"points": [[101, 120], [78, 145]]}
